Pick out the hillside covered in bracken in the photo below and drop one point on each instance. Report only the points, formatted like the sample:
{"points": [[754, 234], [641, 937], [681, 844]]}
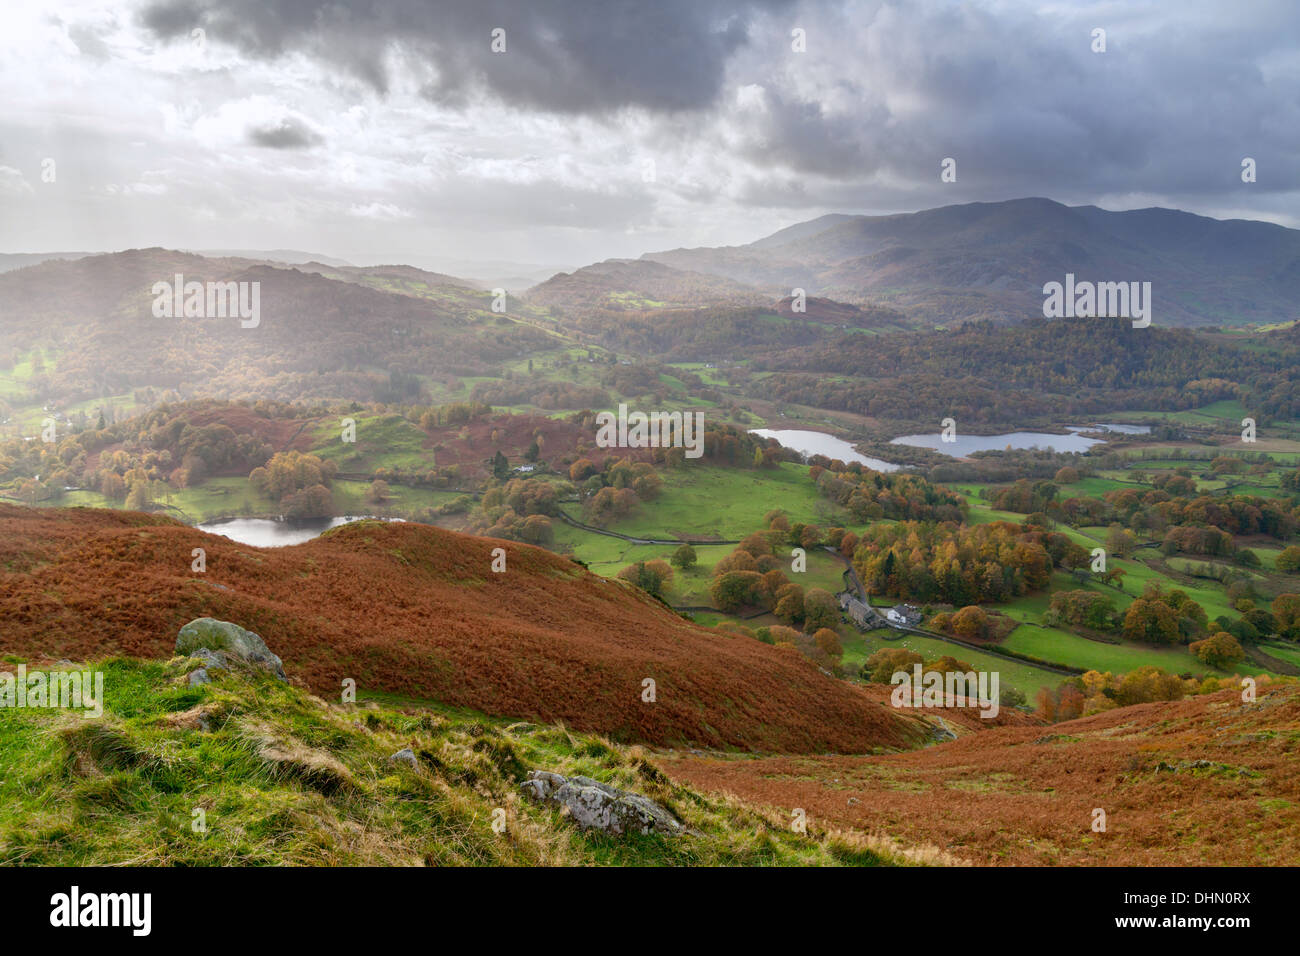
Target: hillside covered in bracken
{"points": [[1205, 781], [416, 611]]}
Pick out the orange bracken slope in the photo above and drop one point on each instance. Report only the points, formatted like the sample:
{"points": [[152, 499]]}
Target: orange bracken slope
{"points": [[415, 610], [1202, 781]]}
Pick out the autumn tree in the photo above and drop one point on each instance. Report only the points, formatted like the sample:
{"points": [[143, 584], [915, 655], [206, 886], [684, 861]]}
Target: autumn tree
{"points": [[1286, 612], [829, 642], [881, 666], [971, 623], [734, 589], [1151, 620], [684, 557], [1289, 559], [820, 609], [1146, 684], [1219, 650], [291, 471], [581, 469], [789, 604], [650, 576]]}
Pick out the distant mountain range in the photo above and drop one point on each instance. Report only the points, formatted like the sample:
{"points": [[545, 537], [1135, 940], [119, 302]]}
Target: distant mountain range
{"points": [[292, 257], [19, 260], [10, 261], [986, 261]]}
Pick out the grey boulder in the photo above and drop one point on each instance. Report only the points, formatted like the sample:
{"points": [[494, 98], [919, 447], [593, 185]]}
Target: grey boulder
{"points": [[223, 641]]}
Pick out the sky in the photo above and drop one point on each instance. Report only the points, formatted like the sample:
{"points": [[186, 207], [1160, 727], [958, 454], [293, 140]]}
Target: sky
{"points": [[394, 131]]}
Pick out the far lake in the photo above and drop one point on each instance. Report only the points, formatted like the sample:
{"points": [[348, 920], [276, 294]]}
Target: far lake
{"points": [[271, 533], [965, 444], [820, 443]]}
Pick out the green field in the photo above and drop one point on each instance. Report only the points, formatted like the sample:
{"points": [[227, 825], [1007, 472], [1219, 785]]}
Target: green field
{"points": [[1022, 676], [1061, 647], [1285, 652], [726, 503], [383, 441]]}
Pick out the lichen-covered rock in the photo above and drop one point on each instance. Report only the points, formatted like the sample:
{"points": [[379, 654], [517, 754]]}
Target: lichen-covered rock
{"points": [[227, 640], [542, 783], [598, 806]]}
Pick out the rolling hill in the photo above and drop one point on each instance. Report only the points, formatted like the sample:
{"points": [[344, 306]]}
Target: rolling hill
{"points": [[363, 336], [416, 611], [632, 284]]}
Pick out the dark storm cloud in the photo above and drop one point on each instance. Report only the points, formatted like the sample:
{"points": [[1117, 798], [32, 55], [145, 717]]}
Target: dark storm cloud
{"points": [[566, 56], [539, 154], [286, 134], [1020, 99]]}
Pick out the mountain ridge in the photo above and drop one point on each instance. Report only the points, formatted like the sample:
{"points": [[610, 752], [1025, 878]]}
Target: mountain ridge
{"points": [[990, 260]]}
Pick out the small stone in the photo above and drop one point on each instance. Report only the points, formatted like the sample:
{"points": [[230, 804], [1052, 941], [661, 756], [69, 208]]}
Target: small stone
{"points": [[406, 755]]}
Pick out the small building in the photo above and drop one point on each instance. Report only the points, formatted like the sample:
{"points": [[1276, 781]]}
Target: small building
{"points": [[904, 615], [860, 612]]}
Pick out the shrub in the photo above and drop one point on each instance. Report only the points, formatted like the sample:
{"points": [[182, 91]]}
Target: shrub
{"points": [[1219, 650]]}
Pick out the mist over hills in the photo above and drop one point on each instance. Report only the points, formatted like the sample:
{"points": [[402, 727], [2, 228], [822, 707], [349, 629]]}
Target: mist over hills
{"points": [[323, 331], [19, 260], [642, 283]]}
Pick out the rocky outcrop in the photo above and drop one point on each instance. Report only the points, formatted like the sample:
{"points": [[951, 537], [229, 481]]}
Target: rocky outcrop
{"points": [[598, 806], [218, 642]]}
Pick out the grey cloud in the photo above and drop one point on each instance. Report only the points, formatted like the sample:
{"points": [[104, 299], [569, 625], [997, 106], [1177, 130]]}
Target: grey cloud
{"points": [[564, 56], [1025, 106], [287, 134], [88, 41], [858, 123]]}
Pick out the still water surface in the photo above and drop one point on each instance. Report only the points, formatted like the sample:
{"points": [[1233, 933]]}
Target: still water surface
{"points": [[271, 533]]}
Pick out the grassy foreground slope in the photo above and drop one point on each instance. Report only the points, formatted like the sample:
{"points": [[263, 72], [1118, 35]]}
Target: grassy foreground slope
{"points": [[250, 771], [415, 610]]}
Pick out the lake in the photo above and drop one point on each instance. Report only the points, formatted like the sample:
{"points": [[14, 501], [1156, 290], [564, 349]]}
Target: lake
{"points": [[273, 533], [820, 443], [966, 444]]}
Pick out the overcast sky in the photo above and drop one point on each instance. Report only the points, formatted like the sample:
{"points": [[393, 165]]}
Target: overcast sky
{"points": [[390, 131]]}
